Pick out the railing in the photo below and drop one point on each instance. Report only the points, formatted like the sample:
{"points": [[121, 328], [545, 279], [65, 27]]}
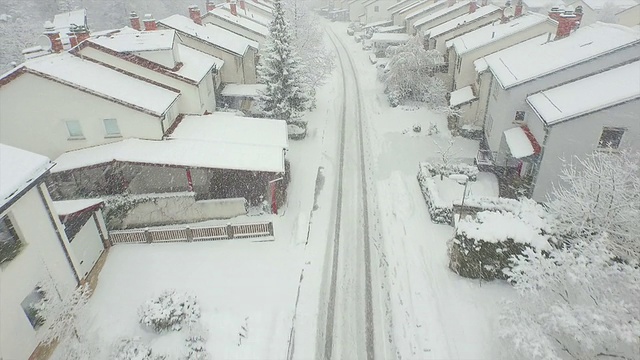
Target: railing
{"points": [[189, 234]]}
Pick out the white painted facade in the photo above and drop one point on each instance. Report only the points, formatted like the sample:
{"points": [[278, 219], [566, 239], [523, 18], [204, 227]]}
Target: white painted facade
{"points": [[378, 10], [412, 17], [461, 66], [439, 42], [194, 99], [34, 112], [578, 137], [503, 103], [356, 8], [237, 69], [400, 16], [41, 259], [235, 27]]}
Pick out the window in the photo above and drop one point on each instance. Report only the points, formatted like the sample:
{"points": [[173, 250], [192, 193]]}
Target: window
{"points": [[519, 116], [610, 138], [111, 127], [74, 129], [32, 307], [10, 243], [376, 8]]}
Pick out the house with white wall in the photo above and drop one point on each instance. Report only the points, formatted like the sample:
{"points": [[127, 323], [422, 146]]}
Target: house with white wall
{"points": [[245, 12], [596, 113], [158, 57], [376, 10], [238, 52], [356, 9], [33, 249], [425, 23], [476, 18], [463, 50], [623, 12], [541, 63], [260, 8], [413, 16], [242, 26], [61, 102]]}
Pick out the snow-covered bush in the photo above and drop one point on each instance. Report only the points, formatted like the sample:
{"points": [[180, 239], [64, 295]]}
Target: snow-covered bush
{"points": [[438, 211], [484, 244], [169, 312], [196, 350], [409, 75], [131, 349], [471, 171], [575, 302]]}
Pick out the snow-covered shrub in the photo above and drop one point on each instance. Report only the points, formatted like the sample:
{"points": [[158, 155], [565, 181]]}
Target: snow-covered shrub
{"points": [[196, 348], [483, 245], [471, 171], [169, 312], [576, 302], [131, 349]]}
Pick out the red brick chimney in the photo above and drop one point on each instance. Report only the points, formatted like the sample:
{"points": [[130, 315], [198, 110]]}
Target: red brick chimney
{"points": [[149, 23], [518, 9], [555, 13], [82, 33], [243, 6], [135, 21], [210, 5], [194, 14], [54, 36], [234, 9], [566, 23], [473, 5]]}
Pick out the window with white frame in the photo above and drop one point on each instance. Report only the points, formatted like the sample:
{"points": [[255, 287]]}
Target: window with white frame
{"points": [[10, 243], [111, 127], [610, 138], [74, 129]]}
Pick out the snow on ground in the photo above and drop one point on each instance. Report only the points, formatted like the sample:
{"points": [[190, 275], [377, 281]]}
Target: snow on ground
{"points": [[436, 314]]}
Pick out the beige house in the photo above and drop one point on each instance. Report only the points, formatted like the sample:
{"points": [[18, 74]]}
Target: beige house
{"points": [[60, 102], [238, 52], [413, 16], [426, 23], [401, 14], [159, 57]]}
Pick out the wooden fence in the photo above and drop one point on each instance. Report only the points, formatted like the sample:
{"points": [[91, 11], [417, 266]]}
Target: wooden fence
{"points": [[189, 234]]}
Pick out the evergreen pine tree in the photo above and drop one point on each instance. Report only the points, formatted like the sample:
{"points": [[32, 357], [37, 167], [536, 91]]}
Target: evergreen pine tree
{"points": [[285, 97]]}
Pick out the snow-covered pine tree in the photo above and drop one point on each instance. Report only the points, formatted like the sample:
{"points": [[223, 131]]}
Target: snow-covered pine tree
{"points": [[286, 96]]}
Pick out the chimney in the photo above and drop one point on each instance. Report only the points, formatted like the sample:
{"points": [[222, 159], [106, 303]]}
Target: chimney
{"points": [[210, 5], [518, 10], [54, 36], [149, 23], [194, 14], [135, 21], [243, 6], [81, 33], [234, 9], [566, 23], [555, 13], [473, 5], [578, 13]]}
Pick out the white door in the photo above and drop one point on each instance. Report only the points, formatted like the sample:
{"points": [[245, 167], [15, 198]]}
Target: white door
{"points": [[87, 246]]}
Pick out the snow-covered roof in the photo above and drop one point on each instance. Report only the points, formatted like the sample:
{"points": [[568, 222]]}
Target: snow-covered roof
{"points": [[196, 64], [481, 65], [246, 13], [400, 5], [427, 10], [461, 96], [440, 13], [494, 32], [99, 80], [138, 41], [68, 207], [226, 127], [538, 56], [409, 7], [616, 4], [243, 90], [519, 143], [258, 5], [464, 20], [378, 23], [210, 34], [240, 21], [62, 22], [19, 169], [391, 29], [543, 5], [587, 95], [182, 153], [390, 37]]}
